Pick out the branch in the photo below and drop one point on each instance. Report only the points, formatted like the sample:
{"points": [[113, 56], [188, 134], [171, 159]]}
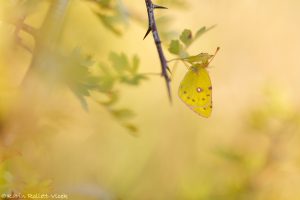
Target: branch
{"points": [[152, 28], [53, 24], [21, 26], [48, 37], [29, 29], [21, 43]]}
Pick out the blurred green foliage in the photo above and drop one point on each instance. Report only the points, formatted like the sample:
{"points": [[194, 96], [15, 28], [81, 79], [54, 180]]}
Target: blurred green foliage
{"points": [[276, 113], [113, 14], [253, 156]]}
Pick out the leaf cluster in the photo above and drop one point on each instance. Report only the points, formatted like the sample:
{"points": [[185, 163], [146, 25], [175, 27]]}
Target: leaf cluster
{"points": [[180, 46], [113, 14], [85, 77], [274, 116], [186, 39]]}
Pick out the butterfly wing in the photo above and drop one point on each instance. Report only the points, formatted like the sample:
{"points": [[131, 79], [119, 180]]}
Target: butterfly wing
{"points": [[196, 92], [204, 111]]}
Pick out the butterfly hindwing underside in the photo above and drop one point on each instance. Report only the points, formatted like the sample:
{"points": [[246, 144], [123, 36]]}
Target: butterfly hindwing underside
{"points": [[195, 90]]}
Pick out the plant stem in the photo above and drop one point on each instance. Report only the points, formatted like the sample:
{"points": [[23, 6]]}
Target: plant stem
{"points": [[47, 37], [152, 27]]}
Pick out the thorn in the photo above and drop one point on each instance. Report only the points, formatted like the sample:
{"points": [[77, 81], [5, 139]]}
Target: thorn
{"points": [[148, 31], [168, 80], [169, 70], [159, 7], [169, 90]]}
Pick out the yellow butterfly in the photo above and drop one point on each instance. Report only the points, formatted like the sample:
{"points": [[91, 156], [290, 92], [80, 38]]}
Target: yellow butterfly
{"points": [[195, 89]]}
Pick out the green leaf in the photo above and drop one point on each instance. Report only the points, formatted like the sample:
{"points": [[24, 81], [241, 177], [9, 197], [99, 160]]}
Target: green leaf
{"points": [[104, 3], [81, 89], [133, 80], [200, 58], [135, 64], [186, 37], [110, 23], [229, 155], [123, 113], [92, 82], [88, 61], [104, 69], [106, 83], [132, 128], [120, 62], [175, 47], [113, 97], [113, 14], [82, 100], [203, 30]]}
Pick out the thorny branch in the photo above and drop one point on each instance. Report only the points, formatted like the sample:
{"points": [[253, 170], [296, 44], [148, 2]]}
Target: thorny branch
{"points": [[152, 28]]}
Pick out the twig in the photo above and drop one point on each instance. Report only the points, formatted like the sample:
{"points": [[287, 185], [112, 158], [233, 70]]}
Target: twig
{"points": [[152, 28], [29, 29], [22, 26], [19, 25], [21, 43]]}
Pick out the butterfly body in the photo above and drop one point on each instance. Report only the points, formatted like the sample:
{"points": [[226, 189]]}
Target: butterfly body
{"points": [[195, 90]]}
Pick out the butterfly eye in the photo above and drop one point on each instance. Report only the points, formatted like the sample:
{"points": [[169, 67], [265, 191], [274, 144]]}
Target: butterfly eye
{"points": [[199, 89]]}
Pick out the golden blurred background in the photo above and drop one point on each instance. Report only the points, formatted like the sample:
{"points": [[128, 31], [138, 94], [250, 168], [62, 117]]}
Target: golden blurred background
{"points": [[247, 150]]}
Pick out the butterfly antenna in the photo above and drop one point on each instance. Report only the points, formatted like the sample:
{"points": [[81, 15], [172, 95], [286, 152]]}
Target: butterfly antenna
{"points": [[214, 55]]}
